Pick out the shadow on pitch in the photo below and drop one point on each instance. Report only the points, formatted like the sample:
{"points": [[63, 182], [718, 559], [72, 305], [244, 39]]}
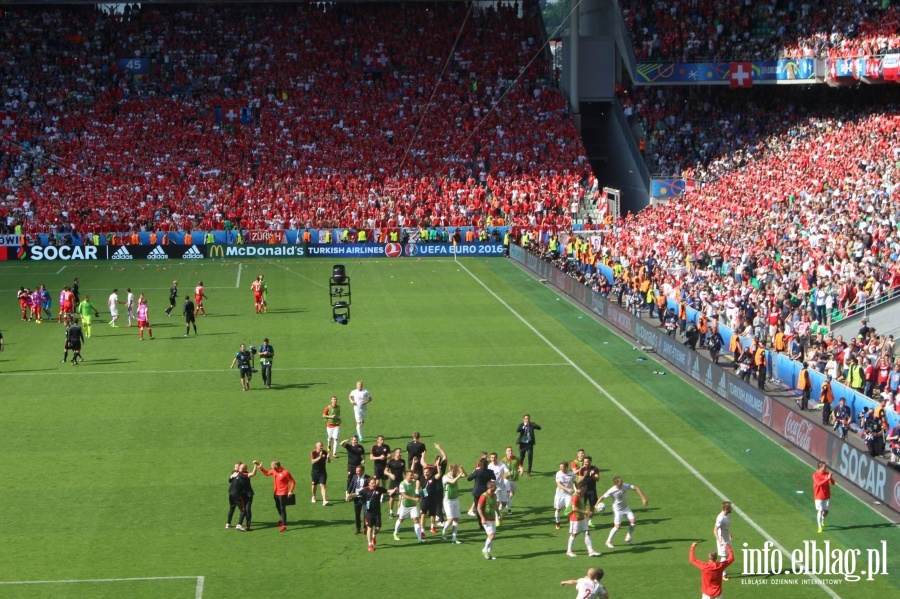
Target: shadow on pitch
{"points": [[180, 336], [295, 525], [639, 548], [280, 386], [879, 525], [90, 362]]}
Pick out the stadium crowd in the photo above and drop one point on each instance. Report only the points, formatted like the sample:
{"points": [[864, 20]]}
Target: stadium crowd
{"points": [[285, 115], [345, 122], [698, 30], [803, 180]]}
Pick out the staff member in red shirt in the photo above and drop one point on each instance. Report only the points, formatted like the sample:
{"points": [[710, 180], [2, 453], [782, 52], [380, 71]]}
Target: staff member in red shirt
{"points": [[822, 481], [711, 572], [284, 488]]}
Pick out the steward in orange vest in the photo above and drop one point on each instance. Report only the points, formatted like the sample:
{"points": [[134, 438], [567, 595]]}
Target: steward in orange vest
{"points": [[760, 360], [805, 386], [779, 342], [826, 396]]}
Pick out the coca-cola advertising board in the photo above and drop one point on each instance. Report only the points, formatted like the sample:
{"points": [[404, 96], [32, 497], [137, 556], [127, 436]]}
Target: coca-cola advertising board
{"points": [[799, 430]]}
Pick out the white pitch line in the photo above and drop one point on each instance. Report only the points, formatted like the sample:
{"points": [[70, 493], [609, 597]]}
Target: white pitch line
{"points": [[237, 284], [647, 429], [405, 367], [60, 270], [199, 580], [198, 594], [297, 274]]}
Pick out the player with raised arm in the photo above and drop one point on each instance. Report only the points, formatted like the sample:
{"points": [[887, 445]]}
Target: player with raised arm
{"points": [[589, 586], [621, 509], [452, 508], [711, 572]]}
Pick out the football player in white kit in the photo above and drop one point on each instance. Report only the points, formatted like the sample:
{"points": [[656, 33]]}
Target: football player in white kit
{"points": [[722, 532], [501, 471], [565, 479], [130, 306], [589, 587], [620, 508], [360, 399]]}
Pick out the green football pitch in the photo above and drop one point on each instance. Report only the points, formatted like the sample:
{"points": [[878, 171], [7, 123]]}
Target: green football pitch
{"points": [[116, 470]]}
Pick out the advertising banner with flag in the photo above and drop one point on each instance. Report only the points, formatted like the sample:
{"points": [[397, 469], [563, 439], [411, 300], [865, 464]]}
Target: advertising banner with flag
{"points": [[740, 74], [667, 188], [890, 67], [840, 68]]}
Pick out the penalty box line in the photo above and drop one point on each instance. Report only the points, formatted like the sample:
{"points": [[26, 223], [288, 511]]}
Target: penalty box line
{"points": [[198, 589], [696, 473]]}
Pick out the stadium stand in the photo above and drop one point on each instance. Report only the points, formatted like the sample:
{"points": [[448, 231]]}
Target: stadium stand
{"points": [[694, 30], [798, 190], [282, 115]]}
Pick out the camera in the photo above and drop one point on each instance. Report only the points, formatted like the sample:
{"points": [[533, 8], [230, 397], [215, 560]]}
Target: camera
{"points": [[253, 350]]}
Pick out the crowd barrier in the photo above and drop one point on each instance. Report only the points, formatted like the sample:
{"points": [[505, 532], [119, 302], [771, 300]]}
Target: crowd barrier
{"points": [[870, 475], [253, 236], [782, 368]]}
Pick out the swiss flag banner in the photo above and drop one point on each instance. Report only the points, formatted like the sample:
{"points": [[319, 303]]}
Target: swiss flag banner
{"points": [[227, 111], [740, 74], [8, 119], [890, 67]]}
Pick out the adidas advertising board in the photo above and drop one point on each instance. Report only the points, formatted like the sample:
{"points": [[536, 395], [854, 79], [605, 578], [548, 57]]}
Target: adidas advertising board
{"points": [[120, 252], [171, 251], [158, 254], [192, 254]]}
